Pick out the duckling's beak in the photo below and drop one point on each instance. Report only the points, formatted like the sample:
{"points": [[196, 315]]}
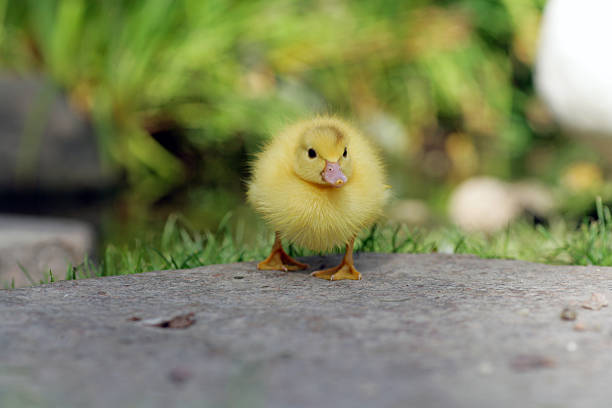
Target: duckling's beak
{"points": [[332, 173]]}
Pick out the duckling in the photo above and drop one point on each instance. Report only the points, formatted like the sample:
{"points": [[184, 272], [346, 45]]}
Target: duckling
{"points": [[317, 183]]}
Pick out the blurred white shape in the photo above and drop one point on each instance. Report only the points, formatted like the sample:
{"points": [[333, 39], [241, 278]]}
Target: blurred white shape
{"points": [[487, 204], [573, 72], [533, 197], [411, 212], [483, 204], [389, 133]]}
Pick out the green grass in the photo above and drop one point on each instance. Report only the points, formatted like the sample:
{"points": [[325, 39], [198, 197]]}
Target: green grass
{"points": [[180, 246]]}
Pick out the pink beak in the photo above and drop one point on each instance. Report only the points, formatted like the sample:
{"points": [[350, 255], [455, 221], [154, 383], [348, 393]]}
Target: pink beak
{"points": [[333, 174]]}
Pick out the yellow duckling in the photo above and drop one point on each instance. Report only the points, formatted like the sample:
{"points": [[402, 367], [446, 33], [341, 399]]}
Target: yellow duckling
{"points": [[317, 183]]}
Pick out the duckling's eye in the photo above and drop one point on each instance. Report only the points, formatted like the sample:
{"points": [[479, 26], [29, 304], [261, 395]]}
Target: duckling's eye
{"points": [[345, 153], [311, 153]]}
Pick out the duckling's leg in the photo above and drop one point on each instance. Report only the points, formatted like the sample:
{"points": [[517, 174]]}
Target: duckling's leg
{"points": [[346, 269], [278, 260]]}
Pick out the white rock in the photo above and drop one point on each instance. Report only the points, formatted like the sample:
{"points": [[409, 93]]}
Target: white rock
{"points": [[533, 196], [573, 72], [483, 204]]}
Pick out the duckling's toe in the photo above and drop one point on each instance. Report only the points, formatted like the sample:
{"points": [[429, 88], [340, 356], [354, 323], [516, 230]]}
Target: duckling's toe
{"points": [[280, 261], [340, 272], [280, 266]]}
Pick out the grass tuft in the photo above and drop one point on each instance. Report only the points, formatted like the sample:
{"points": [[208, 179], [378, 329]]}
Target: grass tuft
{"points": [[180, 246]]}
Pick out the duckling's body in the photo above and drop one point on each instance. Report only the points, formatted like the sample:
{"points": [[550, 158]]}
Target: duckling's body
{"points": [[317, 183]]}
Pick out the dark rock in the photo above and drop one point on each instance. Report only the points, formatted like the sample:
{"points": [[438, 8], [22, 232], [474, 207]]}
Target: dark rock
{"points": [[46, 144]]}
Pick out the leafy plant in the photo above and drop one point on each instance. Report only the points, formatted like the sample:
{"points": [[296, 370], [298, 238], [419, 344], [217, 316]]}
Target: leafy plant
{"points": [[448, 78]]}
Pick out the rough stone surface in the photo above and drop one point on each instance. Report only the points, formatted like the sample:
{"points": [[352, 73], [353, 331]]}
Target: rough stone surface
{"points": [[417, 331], [40, 244]]}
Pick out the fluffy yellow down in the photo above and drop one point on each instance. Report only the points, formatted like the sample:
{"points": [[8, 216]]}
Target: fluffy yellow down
{"points": [[311, 214]]}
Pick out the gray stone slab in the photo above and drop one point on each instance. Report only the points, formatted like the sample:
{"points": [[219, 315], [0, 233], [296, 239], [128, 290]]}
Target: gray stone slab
{"points": [[418, 331], [40, 244]]}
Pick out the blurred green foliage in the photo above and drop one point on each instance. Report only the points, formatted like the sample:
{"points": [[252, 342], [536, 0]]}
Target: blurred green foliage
{"points": [[182, 91]]}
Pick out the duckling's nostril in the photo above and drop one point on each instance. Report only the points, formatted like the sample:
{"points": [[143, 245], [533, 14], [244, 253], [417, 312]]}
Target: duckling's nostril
{"points": [[332, 173]]}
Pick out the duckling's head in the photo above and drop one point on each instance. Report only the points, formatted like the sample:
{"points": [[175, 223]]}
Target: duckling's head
{"points": [[323, 156]]}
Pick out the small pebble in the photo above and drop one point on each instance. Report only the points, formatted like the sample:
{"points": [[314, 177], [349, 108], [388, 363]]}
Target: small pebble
{"points": [[596, 302], [571, 346], [568, 313], [579, 326], [485, 368]]}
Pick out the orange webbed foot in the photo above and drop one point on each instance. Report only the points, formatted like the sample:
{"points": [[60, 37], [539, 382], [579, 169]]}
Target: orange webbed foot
{"points": [[346, 269], [279, 260], [340, 272]]}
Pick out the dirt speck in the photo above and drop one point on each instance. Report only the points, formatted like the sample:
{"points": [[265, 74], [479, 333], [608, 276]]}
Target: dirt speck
{"points": [[177, 322], [529, 362], [180, 375]]}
